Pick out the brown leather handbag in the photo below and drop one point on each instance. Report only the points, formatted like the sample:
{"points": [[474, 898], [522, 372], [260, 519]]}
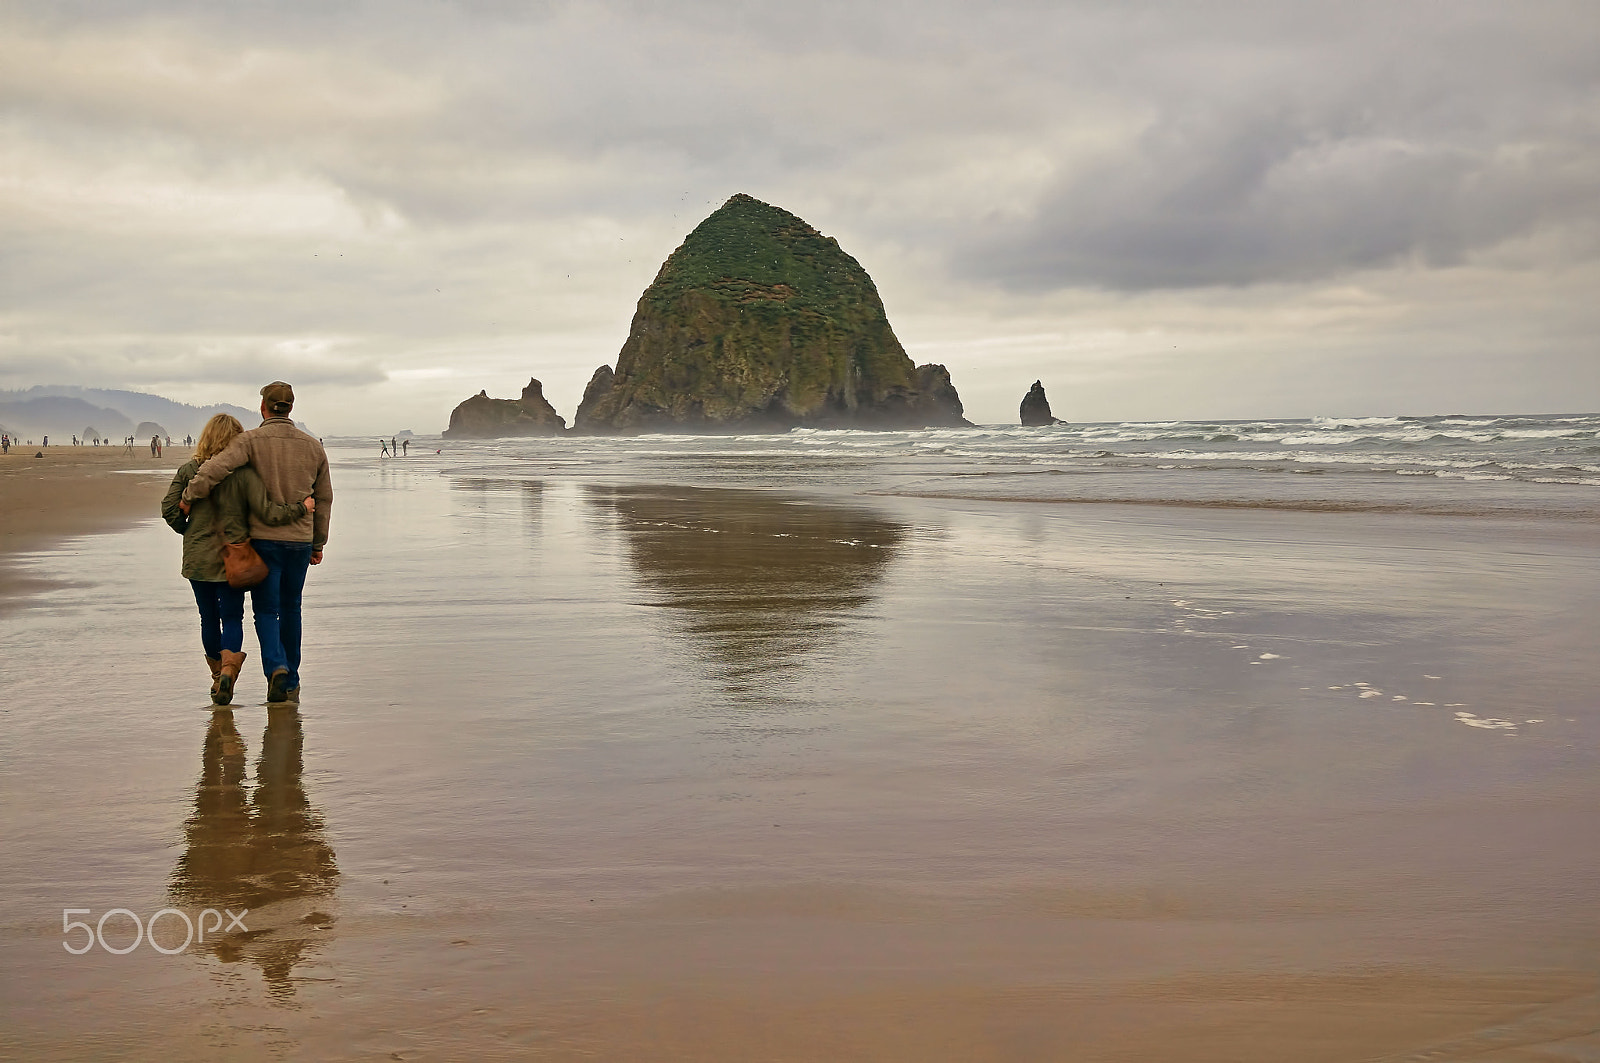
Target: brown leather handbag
{"points": [[242, 565]]}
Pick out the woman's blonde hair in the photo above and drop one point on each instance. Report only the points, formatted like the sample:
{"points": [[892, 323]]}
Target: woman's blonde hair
{"points": [[216, 435]]}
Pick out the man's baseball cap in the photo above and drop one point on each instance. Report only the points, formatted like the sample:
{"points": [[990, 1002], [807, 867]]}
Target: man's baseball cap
{"points": [[278, 396]]}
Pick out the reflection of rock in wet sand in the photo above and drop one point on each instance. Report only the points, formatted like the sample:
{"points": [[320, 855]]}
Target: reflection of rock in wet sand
{"points": [[265, 853], [760, 581]]}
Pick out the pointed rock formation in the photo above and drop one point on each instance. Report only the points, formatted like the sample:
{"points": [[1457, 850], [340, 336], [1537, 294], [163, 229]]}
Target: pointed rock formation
{"points": [[594, 393], [758, 322], [1036, 408], [481, 417]]}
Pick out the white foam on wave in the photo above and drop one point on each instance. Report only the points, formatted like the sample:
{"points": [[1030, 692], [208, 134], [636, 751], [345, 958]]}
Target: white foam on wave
{"points": [[1489, 723], [1353, 422]]}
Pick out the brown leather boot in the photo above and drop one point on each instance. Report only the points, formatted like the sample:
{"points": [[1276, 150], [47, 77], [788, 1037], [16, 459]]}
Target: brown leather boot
{"points": [[216, 670], [231, 663]]}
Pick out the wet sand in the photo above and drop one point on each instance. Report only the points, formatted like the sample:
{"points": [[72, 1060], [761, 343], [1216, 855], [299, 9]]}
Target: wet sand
{"points": [[73, 491], [635, 772]]}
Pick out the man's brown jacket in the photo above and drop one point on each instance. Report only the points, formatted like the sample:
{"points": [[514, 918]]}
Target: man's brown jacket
{"points": [[292, 464]]}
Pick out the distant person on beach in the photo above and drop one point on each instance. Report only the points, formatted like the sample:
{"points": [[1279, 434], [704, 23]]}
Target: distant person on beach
{"points": [[292, 464], [224, 517], [5, 444], [406, 443], [155, 445], [384, 443]]}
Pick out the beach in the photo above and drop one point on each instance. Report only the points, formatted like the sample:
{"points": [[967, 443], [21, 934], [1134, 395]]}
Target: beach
{"points": [[625, 750], [74, 491]]}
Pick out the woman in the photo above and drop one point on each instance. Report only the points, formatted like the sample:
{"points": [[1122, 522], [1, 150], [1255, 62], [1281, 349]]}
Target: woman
{"points": [[226, 511]]}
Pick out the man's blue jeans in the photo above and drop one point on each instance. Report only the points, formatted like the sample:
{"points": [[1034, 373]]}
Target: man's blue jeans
{"points": [[275, 601]]}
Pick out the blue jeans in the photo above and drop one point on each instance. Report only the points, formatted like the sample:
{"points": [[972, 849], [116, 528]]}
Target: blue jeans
{"points": [[275, 601], [221, 616]]}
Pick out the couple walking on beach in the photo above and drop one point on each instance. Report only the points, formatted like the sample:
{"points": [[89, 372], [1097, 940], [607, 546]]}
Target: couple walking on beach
{"points": [[269, 486]]}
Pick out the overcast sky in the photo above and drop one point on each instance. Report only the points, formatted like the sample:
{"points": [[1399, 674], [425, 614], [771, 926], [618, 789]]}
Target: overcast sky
{"points": [[1185, 210]]}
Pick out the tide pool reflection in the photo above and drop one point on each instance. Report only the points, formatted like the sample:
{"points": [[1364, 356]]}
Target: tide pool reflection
{"points": [[760, 582], [265, 852]]}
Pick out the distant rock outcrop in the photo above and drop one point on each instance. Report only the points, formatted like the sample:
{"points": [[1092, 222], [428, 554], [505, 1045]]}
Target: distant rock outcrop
{"points": [[481, 417], [147, 429], [758, 322], [1036, 408]]}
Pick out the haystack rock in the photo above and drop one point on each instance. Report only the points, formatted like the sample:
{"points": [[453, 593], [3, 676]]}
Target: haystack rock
{"points": [[147, 429], [481, 417], [1036, 408], [759, 323]]}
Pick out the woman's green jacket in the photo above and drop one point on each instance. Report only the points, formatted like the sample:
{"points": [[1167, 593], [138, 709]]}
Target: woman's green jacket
{"points": [[229, 504]]}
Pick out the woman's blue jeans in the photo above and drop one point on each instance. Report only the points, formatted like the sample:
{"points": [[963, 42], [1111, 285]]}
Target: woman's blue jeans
{"points": [[221, 616]]}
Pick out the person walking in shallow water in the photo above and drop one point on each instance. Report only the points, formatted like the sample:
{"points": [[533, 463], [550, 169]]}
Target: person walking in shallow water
{"points": [[292, 464], [224, 517], [384, 443]]}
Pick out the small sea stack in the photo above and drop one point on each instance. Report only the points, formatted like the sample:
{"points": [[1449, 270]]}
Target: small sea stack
{"points": [[1036, 408], [481, 417]]}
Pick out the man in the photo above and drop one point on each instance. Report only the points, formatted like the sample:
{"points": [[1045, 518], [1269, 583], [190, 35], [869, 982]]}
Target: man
{"points": [[293, 465]]}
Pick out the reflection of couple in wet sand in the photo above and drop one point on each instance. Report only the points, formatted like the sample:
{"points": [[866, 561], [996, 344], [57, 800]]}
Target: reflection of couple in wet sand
{"points": [[268, 486], [262, 854]]}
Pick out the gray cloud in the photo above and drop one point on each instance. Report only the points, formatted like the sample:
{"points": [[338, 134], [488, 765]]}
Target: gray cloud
{"points": [[1275, 198]]}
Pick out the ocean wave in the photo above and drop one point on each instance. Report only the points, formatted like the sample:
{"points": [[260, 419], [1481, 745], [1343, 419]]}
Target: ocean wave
{"points": [[1354, 422]]}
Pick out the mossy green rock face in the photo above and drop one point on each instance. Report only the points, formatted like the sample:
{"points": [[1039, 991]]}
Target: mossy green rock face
{"points": [[760, 323]]}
